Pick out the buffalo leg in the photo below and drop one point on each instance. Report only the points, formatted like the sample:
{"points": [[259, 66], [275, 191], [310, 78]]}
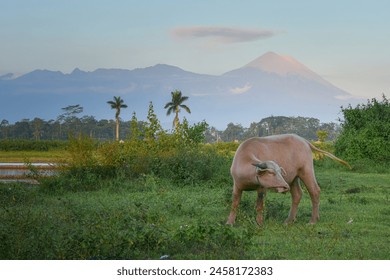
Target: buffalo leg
{"points": [[236, 200], [314, 191], [296, 195], [260, 205]]}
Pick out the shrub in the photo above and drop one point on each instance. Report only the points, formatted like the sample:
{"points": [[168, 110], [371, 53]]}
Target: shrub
{"points": [[167, 157], [180, 157], [365, 132], [81, 150], [31, 145], [188, 164]]}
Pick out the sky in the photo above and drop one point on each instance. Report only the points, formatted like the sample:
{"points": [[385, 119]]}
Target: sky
{"points": [[346, 42]]}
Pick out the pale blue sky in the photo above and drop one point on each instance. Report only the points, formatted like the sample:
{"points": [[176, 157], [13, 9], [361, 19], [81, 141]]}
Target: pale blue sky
{"points": [[346, 42]]}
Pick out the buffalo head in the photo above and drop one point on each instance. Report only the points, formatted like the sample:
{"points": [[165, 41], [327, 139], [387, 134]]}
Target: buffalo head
{"points": [[270, 175]]}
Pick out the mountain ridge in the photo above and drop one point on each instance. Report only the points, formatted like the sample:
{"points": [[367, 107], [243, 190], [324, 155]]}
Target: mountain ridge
{"points": [[269, 85]]}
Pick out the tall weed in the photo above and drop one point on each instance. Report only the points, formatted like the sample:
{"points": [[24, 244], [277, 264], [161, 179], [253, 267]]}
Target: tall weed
{"points": [[168, 157]]}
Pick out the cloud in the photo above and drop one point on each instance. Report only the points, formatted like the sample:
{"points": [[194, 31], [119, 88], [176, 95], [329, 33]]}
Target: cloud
{"points": [[223, 34], [240, 90]]}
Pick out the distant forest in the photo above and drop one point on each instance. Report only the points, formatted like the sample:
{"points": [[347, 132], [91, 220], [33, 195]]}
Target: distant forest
{"points": [[70, 124]]}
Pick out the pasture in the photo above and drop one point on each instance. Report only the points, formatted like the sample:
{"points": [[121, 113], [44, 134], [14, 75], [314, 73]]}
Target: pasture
{"points": [[32, 156], [151, 216]]}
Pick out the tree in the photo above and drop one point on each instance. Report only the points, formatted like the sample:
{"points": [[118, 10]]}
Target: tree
{"points": [[175, 105], [117, 104], [38, 125], [72, 110], [4, 128], [88, 125], [22, 129], [233, 132], [135, 132], [192, 134], [153, 127], [322, 135], [365, 132], [69, 116]]}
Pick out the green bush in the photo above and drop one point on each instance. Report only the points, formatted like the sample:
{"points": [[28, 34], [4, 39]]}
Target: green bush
{"points": [[188, 164], [167, 157], [365, 133], [31, 145], [81, 150]]}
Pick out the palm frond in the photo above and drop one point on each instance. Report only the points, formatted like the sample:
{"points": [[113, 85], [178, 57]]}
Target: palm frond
{"points": [[170, 110], [185, 107], [169, 104], [183, 98]]}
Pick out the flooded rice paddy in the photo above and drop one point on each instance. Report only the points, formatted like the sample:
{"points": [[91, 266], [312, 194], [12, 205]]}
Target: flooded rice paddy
{"points": [[25, 172]]}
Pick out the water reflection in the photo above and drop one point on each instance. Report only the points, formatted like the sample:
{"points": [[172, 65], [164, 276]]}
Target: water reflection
{"points": [[19, 171]]}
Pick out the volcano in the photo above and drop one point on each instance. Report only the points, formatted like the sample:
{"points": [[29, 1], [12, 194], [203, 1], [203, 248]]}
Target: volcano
{"points": [[271, 84]]}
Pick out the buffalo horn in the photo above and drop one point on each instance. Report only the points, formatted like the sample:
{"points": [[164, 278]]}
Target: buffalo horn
{"points": [[261, 166]]}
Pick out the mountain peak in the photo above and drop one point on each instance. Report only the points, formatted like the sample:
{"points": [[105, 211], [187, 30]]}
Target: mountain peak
{"points": [[283, 65], [76, 71], [275, 63]]}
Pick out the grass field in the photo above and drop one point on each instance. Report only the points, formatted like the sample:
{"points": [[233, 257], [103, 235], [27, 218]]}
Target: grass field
{"points": [[149, 217], [32, 156]]}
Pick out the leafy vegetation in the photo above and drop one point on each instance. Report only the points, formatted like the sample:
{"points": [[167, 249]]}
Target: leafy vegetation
{"points": [[149, 217], [31, 145], [168, 194], [69, 124], [365, 134], [179, 157]]}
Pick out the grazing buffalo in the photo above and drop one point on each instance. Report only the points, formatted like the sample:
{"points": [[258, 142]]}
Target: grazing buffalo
{"points": [[279, 163]]}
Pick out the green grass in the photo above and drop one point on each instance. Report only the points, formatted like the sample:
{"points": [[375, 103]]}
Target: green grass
{"points": [[32, 156], [150, 217]]}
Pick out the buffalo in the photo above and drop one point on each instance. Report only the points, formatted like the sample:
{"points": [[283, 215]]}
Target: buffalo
{"points": [[277, 163]]}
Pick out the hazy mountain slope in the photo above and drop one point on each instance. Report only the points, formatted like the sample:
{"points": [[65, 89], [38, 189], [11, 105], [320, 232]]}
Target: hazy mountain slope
{"points": [[269, 85]]}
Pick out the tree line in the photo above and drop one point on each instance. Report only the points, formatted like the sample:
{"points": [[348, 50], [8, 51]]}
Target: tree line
{"points": [[69, 122], [102, 130]]}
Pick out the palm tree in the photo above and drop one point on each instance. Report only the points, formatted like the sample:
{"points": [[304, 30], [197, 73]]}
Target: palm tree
{"points": [[117, 104], [175, 105]]}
